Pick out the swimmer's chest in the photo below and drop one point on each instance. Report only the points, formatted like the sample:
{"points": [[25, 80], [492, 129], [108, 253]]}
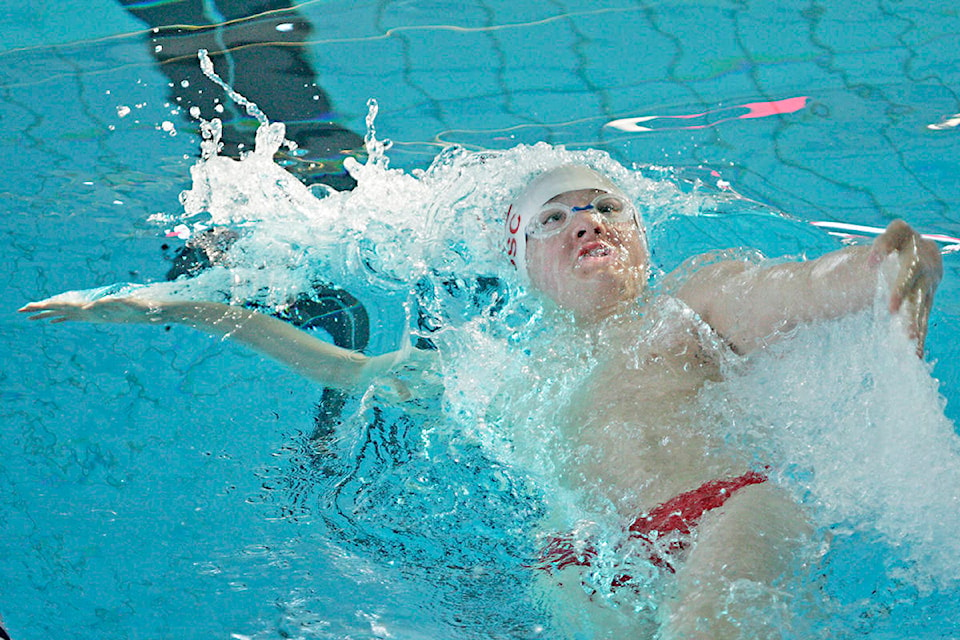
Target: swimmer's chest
{"points": [[644, 386], [637, 423], [666, 357]]}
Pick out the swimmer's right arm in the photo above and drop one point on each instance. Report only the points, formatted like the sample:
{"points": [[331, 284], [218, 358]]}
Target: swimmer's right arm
{"points": [[750, 306], [310, 357]]}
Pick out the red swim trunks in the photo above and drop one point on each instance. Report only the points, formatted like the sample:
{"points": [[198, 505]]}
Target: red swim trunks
{"points": [[677, 515]]}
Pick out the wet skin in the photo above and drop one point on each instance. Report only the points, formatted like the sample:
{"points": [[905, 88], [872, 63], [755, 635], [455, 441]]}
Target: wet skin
{"points": [[591, 267], [637, 433]]}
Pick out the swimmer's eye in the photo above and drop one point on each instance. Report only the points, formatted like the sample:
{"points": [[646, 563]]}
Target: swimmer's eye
{"points": [[551, 219], [609, 206]]}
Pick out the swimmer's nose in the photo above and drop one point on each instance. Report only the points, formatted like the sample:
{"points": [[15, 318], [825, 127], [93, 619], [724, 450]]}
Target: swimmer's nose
{"points": [[585, 222]]}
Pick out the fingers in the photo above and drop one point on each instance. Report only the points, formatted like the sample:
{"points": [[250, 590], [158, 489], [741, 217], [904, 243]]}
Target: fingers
{"points": [[53, 316], [894, 236], [920, 268], [44, 311], [920, 263], [916, 311], [401, 390], [391, 390], [908, 276], [418, 374], [118, 310], [55, 312], [46, 305], [32, 307], [921, 319], [421, 359]]}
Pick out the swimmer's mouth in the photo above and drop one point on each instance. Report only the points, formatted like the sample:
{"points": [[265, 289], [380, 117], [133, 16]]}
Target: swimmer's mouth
{"points": [[594, 250]]}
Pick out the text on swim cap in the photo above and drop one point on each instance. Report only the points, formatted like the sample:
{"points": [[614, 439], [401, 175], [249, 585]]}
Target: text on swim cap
{"points": [[513, 226]]}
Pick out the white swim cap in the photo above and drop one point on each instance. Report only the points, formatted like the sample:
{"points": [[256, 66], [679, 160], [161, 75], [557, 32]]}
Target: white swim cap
{"points": [[543, 188]]}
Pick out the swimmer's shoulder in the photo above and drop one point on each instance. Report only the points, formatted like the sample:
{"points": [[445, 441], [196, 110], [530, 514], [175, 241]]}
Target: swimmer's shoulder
{"points": [[673, 324], [700, 289], [705, 281]]}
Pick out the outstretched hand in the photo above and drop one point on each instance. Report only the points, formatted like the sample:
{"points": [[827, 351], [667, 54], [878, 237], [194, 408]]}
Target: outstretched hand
{"points": [[919, 271], [400, 376], [117, 310]]}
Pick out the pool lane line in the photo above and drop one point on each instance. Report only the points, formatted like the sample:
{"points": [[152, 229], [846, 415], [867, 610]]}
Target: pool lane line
{"points": [[846, 229]]}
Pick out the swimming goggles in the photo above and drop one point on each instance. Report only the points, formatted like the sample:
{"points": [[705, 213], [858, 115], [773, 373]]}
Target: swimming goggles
{"points": [[554, 217]]}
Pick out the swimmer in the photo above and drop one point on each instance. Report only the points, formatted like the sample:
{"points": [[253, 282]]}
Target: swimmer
{"points": [[575, 237], [578, 242]]}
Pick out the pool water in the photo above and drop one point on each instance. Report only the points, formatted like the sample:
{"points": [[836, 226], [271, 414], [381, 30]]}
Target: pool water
{"points": [[164, 484]]}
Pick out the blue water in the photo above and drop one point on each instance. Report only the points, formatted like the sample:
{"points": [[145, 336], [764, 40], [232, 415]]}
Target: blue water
{"points": [[158, 483]]}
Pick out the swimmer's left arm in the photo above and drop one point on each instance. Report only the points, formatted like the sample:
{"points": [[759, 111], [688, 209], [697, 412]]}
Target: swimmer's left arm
{"points": [[310, 357], [750, 306]]}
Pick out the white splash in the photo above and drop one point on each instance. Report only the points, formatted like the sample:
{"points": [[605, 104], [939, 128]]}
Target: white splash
{"points": [[855, 422]]}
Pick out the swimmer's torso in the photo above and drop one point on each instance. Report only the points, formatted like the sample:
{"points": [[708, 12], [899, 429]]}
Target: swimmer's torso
{"points": [[635, 428]]}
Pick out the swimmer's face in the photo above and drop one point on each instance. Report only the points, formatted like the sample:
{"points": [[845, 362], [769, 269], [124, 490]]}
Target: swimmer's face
{"points": [[592, 265]]}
